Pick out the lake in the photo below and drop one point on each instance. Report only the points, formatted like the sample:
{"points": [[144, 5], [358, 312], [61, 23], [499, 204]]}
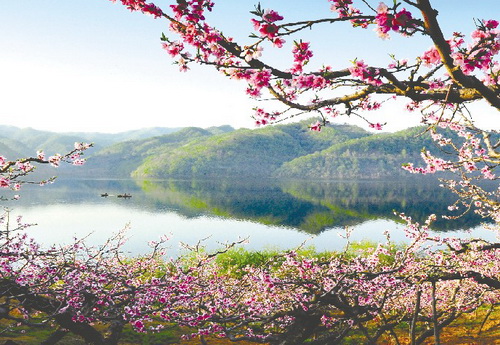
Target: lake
{"points": [[271, 214]]}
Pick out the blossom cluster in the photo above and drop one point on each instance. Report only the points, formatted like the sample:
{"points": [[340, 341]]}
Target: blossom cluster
{"points": [[468, 157], [266, 26], [301, 56], [480, 52], [476, 56], [345, 9], [191, 11], [142, 6], [262, 117], [12, 171], [401, 21], [361, 70]]}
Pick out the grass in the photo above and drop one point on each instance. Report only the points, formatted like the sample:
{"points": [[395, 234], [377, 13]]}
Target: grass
{"points": [[466, 330], [33, 336]]}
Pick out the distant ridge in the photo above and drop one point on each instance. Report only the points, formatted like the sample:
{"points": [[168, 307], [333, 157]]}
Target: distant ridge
{"points": [[32, 139], [106, 139], [280, 151]]}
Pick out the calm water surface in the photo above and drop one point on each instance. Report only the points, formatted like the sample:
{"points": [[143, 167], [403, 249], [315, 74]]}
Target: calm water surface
{"points": [[280, 214]]}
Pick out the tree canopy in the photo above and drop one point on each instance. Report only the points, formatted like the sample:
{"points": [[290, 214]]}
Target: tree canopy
{"points": [[439, 83]]}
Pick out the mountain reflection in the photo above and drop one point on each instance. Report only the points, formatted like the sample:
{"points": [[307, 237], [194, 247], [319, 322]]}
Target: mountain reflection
{"points": [[309, 206]]}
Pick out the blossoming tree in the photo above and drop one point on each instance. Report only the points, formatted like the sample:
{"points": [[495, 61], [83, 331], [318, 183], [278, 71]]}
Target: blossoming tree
{"points": [[382, 295], [440, 82]]}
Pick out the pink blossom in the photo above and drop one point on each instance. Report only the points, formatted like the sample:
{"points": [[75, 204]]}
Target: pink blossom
{"points": [[141, 5], [397, 22], [316, 126], [255, 23], [490, 24], [152, 9], [271, 16], [24, 167], [431, 57], [301, 51], [361, 70], [183, 67], [250, 54], [173, 48], [268, 30], [139, 325], [469, 166], [278, 42], [4, 183], [345, 9], [376, 126], [487, 174], [266, 26], [253, 92], [40, 155], [260, 78], [493, 77], [55, 160]]}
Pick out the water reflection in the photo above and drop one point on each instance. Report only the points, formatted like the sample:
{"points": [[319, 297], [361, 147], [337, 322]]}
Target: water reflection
{"points": [[273, 213], [303, 205], [308, 206]]}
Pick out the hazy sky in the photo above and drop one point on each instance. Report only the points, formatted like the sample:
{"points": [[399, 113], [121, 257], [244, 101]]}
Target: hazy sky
{"points": [[91, 65]]}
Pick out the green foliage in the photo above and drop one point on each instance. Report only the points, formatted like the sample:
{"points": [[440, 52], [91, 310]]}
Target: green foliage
{"points": [[290, 151], [168, 336], [34, 335], [119, 160], [376, 156], [249, 153], [235, 260], [366, 247], [280, 151]]}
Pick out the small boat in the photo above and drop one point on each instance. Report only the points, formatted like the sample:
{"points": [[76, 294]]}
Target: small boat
{"points": [[124, 195], [104, 195]]}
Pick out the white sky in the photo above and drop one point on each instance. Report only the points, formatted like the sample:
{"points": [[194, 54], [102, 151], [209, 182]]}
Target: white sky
{"points": [[91, 65]]}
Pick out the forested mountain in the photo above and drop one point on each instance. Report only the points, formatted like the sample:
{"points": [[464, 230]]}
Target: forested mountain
{"points": [[121, 159], [243, 153], [375, 156], [281, 151]]}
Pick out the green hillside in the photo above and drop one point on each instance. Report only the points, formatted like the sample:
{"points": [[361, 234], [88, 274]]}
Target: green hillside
{"points": [[375, 156], [281, 151], [120, 160], [243, 153]]}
